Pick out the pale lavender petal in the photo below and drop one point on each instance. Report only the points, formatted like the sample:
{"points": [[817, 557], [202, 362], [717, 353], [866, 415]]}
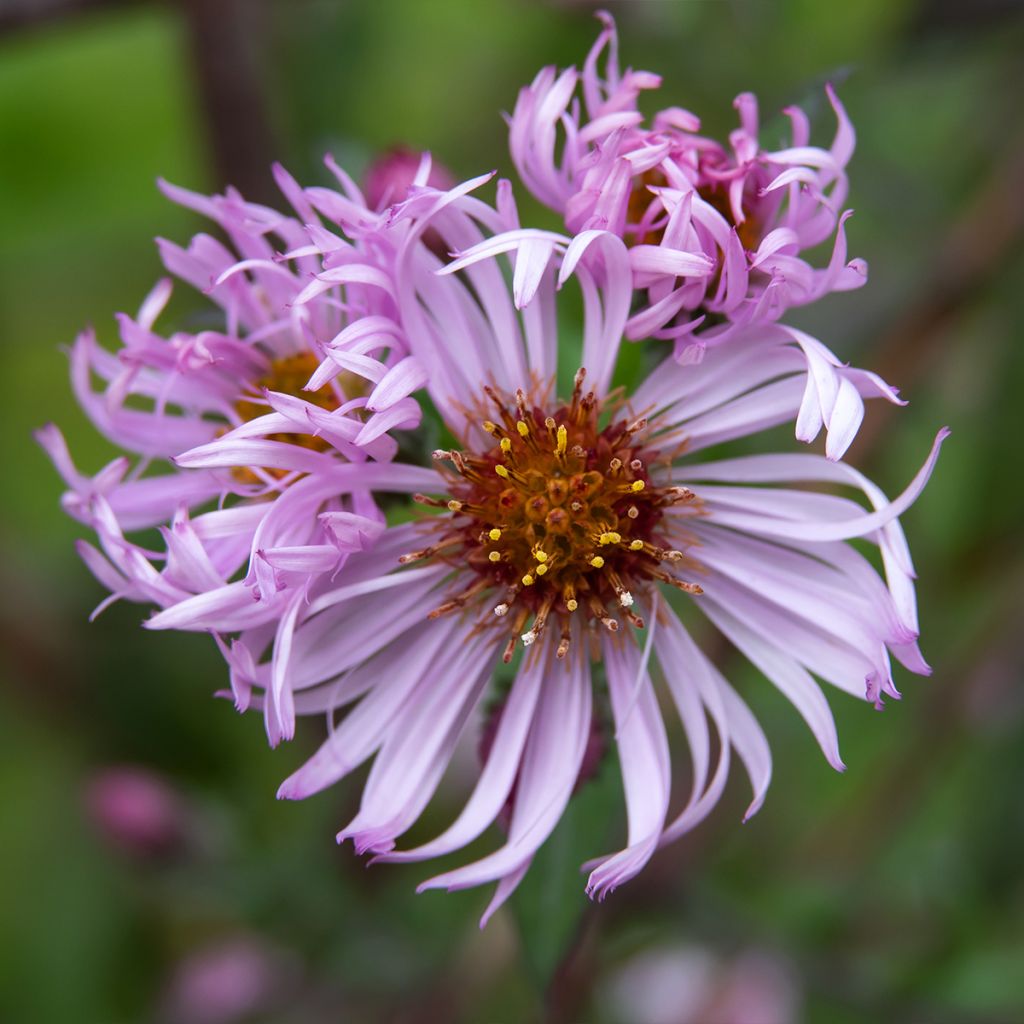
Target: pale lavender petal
{"points": [[792, 681], [646, 773], [550, 767], [499, 772], [366, 726], [405, 377]]}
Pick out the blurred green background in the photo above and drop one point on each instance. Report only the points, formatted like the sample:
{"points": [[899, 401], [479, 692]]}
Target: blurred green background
{"points": [[893, 892]]}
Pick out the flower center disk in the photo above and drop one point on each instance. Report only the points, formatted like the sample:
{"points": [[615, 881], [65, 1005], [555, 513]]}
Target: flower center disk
{"points": [[559, 515], [287, 375]]}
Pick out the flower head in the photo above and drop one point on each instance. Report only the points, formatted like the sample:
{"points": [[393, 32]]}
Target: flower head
{"points": [[263, 507], [566, 530], [715, 231]]}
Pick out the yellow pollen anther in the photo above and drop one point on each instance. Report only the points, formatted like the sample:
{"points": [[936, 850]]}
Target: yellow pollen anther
{"points": [[528, 580], [610, 538], [562, 440], [572, 604], [494, 534], [506, 445], [495, 556], [454, 506], [637, 485], [523, 428], [490, 427], [501, 471], [597, 561], [541, 569], [636, 545], [541, 556]]}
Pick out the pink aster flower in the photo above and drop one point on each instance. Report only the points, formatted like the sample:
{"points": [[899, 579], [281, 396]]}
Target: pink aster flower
{"points": [[569, 531], [136, 810], [715, 232], [271, 503]]}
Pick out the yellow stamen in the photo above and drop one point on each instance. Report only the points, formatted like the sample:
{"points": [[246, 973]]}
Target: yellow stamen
{"points": [[495, 556], [494, 534], [563, 440], [528, 580], [597, 562], [501, 471], [523, 428]]}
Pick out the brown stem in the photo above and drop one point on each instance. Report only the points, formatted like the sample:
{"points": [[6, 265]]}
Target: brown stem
{"points": [[227, 39]]}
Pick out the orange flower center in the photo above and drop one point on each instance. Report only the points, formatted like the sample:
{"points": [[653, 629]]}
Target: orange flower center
{"points": [[287, 375], [559, 515], [640, 227], [716, 194]]}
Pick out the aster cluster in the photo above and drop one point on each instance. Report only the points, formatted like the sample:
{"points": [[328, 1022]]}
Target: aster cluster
{"points": [[278, 453], [716, 232]]}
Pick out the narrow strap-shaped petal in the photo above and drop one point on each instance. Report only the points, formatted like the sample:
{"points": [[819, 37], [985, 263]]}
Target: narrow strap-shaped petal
{"points": [[792, 680], [693, 686], [857, 527], [421, 740], [644, 759], [499, 772], [365, 727], [551, 764]]}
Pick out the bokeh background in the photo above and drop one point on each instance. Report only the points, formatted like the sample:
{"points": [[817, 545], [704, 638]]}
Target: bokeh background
{"points": [[146, 871]]}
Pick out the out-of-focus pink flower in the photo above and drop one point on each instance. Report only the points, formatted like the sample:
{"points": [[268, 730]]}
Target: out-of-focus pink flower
{"points": [[268, 501], [389, 178], [688, 985], [135, 810], [229, 981], [715, 231], [563, 526], [392, 176]]}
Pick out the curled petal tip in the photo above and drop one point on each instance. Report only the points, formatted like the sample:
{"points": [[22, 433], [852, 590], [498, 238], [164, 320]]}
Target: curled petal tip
{"points": [[755, 806]]}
